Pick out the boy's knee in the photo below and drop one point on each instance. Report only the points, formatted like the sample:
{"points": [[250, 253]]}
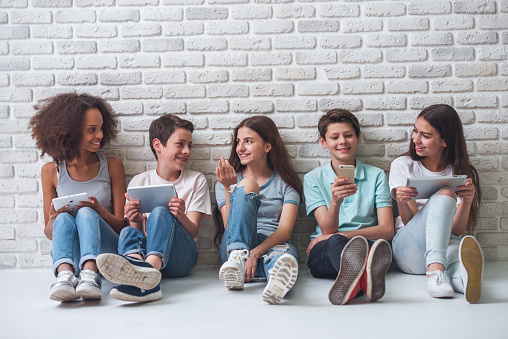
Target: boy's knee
{"points": [[250, 185]]}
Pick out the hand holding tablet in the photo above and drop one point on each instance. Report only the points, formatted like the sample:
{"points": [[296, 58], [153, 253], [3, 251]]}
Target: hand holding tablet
{"points": [[150, 197], [72, 200], [430, 185]]}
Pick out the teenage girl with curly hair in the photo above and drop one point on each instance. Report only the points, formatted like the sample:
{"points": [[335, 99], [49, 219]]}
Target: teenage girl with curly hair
{"points": [[71, 128], [258, 194]]}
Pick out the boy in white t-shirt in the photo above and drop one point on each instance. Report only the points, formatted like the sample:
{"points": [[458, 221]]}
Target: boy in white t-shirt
{"points": [[160, 243]]}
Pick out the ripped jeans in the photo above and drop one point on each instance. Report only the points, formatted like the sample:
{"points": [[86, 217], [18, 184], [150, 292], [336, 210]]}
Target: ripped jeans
{"points": [[241, 232]]}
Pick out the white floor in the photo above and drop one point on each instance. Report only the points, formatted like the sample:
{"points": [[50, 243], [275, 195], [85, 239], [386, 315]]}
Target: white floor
{"points": [[199, 306]]}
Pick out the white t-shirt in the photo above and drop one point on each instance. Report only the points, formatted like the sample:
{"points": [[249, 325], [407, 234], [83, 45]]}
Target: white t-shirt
{"points": [[404, 168], [190, 186]]}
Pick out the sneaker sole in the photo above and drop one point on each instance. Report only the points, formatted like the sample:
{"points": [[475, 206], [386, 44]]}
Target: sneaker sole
{"points": [[282, 278], [119, 270], [89, 292], [63, 294], [232, 278], [378, 262], [472, 261], [115, 294], [352, 265]]}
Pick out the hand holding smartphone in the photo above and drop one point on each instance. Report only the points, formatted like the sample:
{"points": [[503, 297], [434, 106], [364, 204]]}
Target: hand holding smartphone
{"points": [[347, 171]]}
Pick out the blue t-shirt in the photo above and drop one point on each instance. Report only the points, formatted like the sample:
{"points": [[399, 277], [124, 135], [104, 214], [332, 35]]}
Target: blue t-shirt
{"points": [[274, 194], [356, 211]]}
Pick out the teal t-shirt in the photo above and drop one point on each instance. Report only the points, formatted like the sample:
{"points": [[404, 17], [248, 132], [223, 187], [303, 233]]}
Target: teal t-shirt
{"points": [[356, 211]]}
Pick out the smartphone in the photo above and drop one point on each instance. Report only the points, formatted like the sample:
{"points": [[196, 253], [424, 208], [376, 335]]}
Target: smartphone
{"points": [[347, 171], [71, 200]]}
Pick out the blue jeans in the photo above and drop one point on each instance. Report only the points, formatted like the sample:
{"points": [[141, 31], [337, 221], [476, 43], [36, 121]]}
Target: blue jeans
{"points": [[76, 240], [165, 238], [427, 239], [241, 232]]}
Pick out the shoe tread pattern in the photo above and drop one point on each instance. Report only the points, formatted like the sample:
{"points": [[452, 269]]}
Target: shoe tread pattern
{"points": [[119, 270], [473, 263], [378, 263], [282, 278]]}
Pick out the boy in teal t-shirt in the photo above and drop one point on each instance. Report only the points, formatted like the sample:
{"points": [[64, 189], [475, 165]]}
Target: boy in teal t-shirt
{"points": [[352, 217]]}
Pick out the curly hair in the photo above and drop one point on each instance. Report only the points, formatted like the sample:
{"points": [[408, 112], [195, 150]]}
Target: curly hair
{"points": [[57, 124]]}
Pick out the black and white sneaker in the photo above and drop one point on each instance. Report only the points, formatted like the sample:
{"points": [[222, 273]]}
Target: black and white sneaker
{"points": [[89, 286], [128, 271], [64, 289], [131, 293]]}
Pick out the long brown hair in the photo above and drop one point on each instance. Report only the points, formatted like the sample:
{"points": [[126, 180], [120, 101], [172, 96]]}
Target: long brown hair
{"points": [[447, 123], [277, 158]]}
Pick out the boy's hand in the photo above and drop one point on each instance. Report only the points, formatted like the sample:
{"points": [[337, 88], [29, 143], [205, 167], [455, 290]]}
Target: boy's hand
{"points": [[317, 239], [405, 194], [131, 210], [177, 208], [342, 189], [467, 191], [225, 173]]}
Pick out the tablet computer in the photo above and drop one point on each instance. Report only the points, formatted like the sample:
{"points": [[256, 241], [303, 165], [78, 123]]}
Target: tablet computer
{"points": [[71, 200], [430, 185], [150, 197]]}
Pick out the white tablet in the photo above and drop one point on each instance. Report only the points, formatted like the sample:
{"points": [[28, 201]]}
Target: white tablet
{"points": [[430, 185], [71, 200], [150, 197]]}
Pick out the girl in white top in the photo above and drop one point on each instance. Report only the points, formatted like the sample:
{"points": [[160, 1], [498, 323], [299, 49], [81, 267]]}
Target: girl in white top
{"points": [[428, 230]]}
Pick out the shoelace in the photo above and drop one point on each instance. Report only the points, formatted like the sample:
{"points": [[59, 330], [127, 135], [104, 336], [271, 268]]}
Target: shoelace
{"points": [[239, 255], [439, 276], [87, 275], [65, 276]]}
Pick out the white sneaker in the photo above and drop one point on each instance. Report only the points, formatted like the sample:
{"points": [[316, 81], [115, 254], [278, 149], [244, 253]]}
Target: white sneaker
{"points": [[89, 286], [64, 289], [471, 266], [438, 285], [282, 277], [232, 271]]}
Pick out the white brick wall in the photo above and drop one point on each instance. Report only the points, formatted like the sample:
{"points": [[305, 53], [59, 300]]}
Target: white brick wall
{"points": [[215, 62]]}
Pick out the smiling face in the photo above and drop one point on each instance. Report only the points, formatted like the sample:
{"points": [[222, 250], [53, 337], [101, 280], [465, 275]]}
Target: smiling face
{"points": [[91, 134], [177, 151], [427, 141], [341, 141], [250, 147]]}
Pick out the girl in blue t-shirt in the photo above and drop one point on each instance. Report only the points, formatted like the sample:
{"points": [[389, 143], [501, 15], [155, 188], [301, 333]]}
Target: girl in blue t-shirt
{"points": [[71, 128], [258, 194]]}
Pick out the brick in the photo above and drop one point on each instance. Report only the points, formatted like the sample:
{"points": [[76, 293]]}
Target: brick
{"points": [[184, 28], [119, 15], [4, 48], [182, 2], [119, 46], [34, 261], [386, 40], [30, 201], [494, 178], [77, 79], [251, 12], [474, 70], [314, 88], [214, 13], [215, 106], [295, 73], [493, 53], [128, 108], [269, 59], [251, 74], [96, 62], [314, 26], [416, 102], [455, 85], [365, 87], [495, 22], [252, 106], [496, 116], [305, 121], [116, 79], [31, 47], [406, 55], [224, 122], [407, 86], [341, 41], [384, 10], [429, 71], [370, 119], [10, 246], [162, 14], [7, 261], [206, 77], [489, 193], [14, 32], [362, 25], [76, 47], [23, 111], [31, 17], [295, 105], [272, 27], [453, 23], [107, 93], [360, 56], [316, 58], [74, 16], [294, 11], [226, 28], [408, 24], [135, 92], [384, 135], [432, 39], [384, 71], [206, 138], [273, 90], [250, 43], [206, 44], [384, 103], [227, 60], [227, 91], [431, 7], [492, 238], [492, 85], [160, 107], [400, 119], [14, 4], [25, 141], [303, 136], [476, 101], [7, 201], [293, 42], [139, 61], [96, 31], [16, 95], [474, 7], [141, 30], [476, 38], [137, 2], [346, 72], [480, 133], [352, 105], [183, 60], [339, 11], [453, 54], [33, 79], [95, 3], [181, 91], [164, 77]]}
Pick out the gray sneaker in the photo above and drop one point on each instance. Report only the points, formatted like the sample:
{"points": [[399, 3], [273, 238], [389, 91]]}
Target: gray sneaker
{"points": [[64, 289], [89, 286]]}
